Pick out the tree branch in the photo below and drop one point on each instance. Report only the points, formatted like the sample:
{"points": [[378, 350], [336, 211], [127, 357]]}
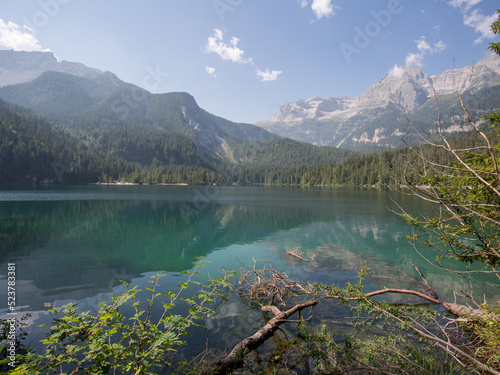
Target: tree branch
{"points": [[236, 358]]}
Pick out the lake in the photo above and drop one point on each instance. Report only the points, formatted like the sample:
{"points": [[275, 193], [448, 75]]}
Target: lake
{"points": [[77, 243]]}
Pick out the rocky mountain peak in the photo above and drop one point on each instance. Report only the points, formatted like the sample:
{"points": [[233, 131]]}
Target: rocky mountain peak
{"points": [[405, 87], [28, 60], [372, 119], [20, 67], [315, 107], [477, 76]]}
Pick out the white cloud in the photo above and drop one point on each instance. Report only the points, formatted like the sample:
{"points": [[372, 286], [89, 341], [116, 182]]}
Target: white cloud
{"points": [[416, 59], [422, 45], [481, 24], [397, 71], [323, 8], [18, 38], [230, 51], [439, 47], [210, 70], [268, 75], [476, 19], [464, 5], [227, 51]]}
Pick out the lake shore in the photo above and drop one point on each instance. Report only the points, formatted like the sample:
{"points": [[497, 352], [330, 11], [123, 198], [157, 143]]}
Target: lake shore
{"points": [[138, 184]]}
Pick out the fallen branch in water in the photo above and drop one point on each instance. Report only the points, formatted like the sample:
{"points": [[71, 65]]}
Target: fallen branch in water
{"points": [[296, 254], [468, 312], [425, 280], [388, 290], [267, 286], [236, 358]]}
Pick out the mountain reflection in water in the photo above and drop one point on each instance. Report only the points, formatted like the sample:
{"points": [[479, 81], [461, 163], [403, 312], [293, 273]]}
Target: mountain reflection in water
{"points": [[78, 243]]}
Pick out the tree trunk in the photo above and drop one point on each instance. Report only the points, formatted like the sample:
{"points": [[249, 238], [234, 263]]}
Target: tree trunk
{"points": [[463, 311], [236, 358]]}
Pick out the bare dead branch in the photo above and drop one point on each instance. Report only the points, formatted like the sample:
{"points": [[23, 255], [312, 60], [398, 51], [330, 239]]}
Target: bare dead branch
{"points": [[296, 254], [425, 281], [384, 291], [445, 345], [236, 357]]}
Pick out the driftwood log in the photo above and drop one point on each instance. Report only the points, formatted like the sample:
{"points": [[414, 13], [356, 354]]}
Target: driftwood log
{"points": [[267, 280], [463, 311], [236, 358]]}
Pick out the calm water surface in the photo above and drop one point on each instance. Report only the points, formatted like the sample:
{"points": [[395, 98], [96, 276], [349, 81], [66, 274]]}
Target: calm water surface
{"points": [[78, 243]]}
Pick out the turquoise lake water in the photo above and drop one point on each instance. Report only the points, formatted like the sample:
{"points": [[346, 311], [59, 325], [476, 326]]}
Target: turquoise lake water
{"points": [[77, 243]]}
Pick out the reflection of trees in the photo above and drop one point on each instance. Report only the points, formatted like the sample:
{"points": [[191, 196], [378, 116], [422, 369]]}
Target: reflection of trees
{"points": [[361, 231], [327, 258], [386, 269], [74, 249]]}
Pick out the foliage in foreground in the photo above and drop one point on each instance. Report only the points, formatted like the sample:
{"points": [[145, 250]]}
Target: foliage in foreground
{"points": [[466, 228], [391, 353], [110, 340]]}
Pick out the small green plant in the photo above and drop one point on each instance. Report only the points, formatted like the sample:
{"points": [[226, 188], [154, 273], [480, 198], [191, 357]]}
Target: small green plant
{"points": [[484, 330], [110, 342], [394, 352]]}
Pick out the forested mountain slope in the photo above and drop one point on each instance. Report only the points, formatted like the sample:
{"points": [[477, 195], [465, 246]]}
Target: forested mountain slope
{"points": [[31, 152], [34, 151], [153, 137], [93, 127], [98, 109]]}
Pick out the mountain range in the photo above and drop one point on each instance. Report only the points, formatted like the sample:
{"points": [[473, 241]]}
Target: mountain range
{"points": [[84, 101], [64, 122], [122, 131], [376, 119]]}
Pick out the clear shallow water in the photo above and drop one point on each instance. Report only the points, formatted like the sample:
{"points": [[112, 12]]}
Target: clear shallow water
{"points": [[77, 243]]}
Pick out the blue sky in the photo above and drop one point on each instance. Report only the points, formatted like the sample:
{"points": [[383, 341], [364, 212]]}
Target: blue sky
{"points": [[243, 59]]}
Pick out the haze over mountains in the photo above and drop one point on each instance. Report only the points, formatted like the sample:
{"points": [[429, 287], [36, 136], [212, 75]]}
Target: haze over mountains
{"points": [[85, 100], [122, 131], [96, 127], [71, 93], [20, 67], [371, 120]]}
